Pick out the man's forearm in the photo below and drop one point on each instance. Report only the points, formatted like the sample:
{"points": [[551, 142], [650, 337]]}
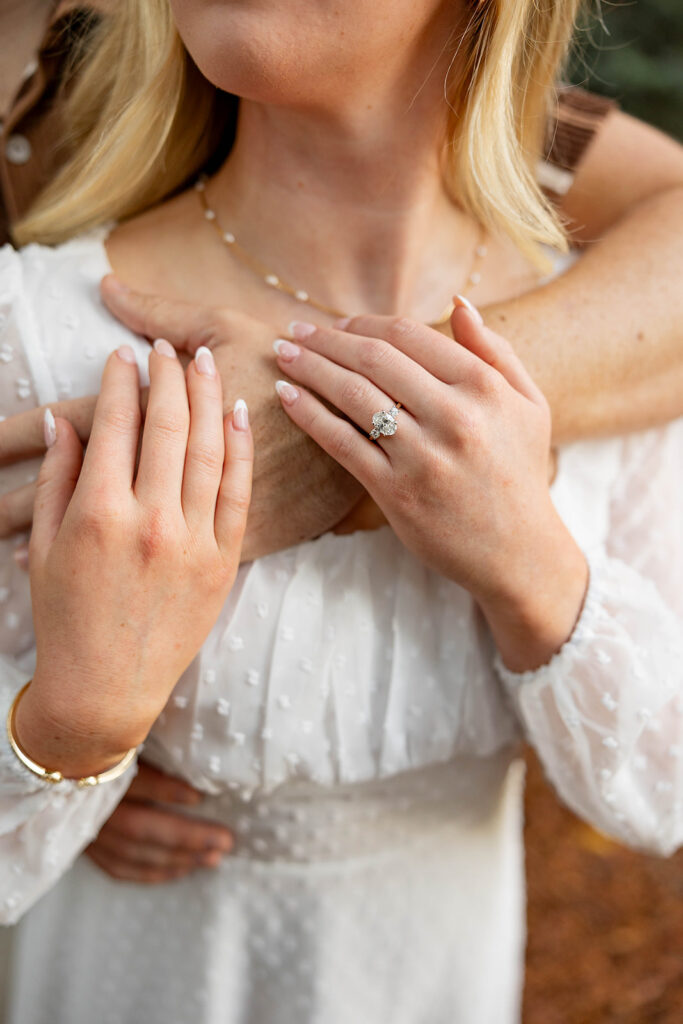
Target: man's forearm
{"points": [[604, 340]]}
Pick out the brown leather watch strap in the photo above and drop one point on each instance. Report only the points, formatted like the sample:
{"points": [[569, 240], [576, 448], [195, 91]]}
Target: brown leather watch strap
{"points": [[577, 118]]}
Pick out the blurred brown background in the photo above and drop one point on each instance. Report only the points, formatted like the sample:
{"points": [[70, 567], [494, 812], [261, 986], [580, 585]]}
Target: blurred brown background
{"points": [[605, 942]]}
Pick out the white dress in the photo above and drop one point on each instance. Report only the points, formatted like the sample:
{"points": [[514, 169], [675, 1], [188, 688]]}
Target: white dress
{"points": [[348, 720]]}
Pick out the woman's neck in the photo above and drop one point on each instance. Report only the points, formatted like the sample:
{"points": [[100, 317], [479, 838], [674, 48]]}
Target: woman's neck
{"points": [[351, 207]]}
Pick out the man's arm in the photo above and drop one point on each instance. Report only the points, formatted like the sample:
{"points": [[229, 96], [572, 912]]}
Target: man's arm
{"points": [[604, 340]]}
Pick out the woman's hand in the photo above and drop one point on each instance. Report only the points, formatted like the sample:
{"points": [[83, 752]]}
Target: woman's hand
{"points": [[129, 570], [464, 480], [143, 841]]}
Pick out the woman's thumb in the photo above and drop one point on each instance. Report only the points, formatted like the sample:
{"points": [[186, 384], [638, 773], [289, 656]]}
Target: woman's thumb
{"points": [[56, 482], [470, 331]]}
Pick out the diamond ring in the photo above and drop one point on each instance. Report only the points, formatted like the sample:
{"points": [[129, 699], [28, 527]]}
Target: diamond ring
{"points": [[384, 422]]}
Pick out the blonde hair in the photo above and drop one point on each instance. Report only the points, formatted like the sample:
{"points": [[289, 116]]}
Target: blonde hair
{"points": [[143, 121]]}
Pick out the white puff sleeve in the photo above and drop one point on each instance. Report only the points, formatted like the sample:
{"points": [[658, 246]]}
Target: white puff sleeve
{"points": [[43, 826], [606, 713]]}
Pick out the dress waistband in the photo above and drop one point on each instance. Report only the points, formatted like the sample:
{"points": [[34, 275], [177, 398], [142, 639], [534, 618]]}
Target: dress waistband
{"points": [[304, 822]]}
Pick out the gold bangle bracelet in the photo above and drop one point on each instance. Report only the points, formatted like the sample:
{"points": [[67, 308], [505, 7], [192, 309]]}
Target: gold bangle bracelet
{"points": [[56, 776]]}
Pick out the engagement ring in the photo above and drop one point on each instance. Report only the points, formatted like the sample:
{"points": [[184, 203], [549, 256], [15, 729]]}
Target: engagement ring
{"points": [[384, 422]]}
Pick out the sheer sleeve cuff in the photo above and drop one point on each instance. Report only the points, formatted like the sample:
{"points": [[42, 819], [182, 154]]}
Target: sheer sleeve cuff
{"points": [[44, 826], [605, 714]]}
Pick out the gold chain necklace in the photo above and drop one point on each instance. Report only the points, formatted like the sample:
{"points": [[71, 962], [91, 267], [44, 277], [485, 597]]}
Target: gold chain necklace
{"points": [[276, 282]]}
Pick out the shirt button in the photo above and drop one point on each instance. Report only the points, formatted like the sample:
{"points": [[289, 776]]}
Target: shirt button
{"points": [[18, 149]]}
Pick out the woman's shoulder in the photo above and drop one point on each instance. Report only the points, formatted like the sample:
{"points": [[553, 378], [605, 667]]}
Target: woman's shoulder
{"points": [[40, 273], [76, 256]]}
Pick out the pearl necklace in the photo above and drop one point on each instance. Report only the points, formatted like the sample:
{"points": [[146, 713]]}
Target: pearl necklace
{"points": [[274, 281]]}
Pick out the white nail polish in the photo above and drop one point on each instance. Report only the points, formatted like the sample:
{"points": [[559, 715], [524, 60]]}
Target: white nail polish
{"points": [[286, 349], [287, 393], [460, 300], [204, 361], [49, 428], [164, 348], [301, 329], [240, 415]]}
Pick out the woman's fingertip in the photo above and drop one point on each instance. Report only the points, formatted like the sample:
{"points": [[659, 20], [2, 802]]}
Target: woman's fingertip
{"points": [[49, 428], [204, 361], [164, 348], [240, 415], [460, 300], [126, 354], [286, 350], [288, 394]]}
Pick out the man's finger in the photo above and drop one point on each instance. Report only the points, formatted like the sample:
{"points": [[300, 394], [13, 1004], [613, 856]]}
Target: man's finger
{"points": [[151, 854], [152, 784], [185, 325], [123, 871], [148, 824], [16, 510]]}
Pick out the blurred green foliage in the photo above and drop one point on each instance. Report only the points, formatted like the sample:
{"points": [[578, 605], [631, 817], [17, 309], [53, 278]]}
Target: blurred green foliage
{"points": [[633, 50]]}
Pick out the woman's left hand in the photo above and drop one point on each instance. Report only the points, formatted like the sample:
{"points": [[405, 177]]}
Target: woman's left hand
{"points": [[464, 479]]}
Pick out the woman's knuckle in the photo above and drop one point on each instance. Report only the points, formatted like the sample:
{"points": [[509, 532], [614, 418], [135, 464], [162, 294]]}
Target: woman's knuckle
{"points": [[354, 392], [341, 444], [495, 385], [156, 535], [206, 456], [120, 419], [236, 502], [374, 355], [400, 327], [96, 521], [169, 426]]}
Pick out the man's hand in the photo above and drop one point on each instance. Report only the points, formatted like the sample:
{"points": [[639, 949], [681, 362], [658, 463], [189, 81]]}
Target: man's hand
{"points": [[145, 842], [299, 492]]}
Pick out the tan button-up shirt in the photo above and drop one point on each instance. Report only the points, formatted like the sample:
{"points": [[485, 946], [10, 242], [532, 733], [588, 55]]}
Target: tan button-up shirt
{"points": [[31, 127]]}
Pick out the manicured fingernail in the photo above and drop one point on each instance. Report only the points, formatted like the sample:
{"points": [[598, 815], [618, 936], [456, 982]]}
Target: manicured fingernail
{"points": [[203, 358], [49, 428], [240, 415], [300, 329], [126, 353], [460, 300], [287, 393], [286, 350], [116, 285], [20, 556], [164, 348], [342, 324]]}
